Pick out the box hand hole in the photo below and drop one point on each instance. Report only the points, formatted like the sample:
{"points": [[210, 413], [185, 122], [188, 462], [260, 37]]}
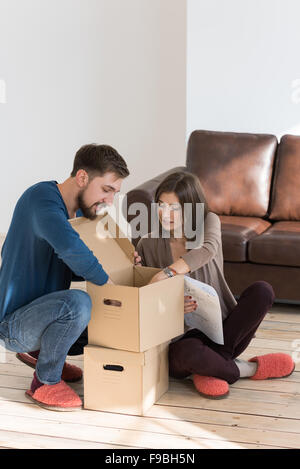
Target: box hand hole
{"points": [[113, 367], [109, 302]]}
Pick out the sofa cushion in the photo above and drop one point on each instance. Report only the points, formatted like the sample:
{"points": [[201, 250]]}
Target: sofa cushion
{"points": [[279, 245], [236, 232], [235, 170], [286, 193]]}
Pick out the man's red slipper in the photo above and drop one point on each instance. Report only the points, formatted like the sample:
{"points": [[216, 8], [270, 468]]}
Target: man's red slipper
{"points": [[59, 397], [211, 388], [273, 365], [70, 373]]}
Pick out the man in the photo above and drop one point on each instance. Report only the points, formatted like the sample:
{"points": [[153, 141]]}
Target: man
{"points": [[41, 255]]}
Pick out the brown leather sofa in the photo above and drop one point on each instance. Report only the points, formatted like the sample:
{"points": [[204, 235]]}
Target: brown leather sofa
{"points": [[252, 182]]}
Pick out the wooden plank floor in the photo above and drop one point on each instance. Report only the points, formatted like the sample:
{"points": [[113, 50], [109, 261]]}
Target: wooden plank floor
{"points": [[257, 414]]}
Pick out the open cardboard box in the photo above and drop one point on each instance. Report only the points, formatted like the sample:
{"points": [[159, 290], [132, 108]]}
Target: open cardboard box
{"points": [[143, 316], [124, 382]]}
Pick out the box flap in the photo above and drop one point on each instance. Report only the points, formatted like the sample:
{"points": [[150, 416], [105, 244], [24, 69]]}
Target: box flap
{"points": [[109, 356], [109, 244]]}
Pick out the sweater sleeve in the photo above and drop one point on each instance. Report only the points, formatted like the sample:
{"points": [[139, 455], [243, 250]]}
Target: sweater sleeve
{"points": [[197, 258], [51, 224]]}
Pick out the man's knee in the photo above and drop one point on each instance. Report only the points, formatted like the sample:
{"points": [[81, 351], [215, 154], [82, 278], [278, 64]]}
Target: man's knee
{"points": [[80, 304]]}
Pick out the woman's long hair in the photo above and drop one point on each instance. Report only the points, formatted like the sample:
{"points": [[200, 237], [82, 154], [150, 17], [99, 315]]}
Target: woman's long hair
{"points": [[188, 189]]}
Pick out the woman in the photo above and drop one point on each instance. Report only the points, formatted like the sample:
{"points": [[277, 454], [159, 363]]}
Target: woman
{"points": [[213, 367]]}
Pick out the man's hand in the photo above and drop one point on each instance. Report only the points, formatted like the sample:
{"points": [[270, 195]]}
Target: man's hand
{"points": [[189, 305], [137, 258]]}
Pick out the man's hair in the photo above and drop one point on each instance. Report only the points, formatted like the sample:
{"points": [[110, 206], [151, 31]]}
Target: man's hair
{"points": [[97, 160]]}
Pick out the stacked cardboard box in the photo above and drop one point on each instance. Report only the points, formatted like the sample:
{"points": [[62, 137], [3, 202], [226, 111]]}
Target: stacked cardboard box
{"points": [[132, 323]]}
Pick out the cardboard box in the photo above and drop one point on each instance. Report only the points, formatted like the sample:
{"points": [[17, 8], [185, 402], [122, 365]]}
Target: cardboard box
{"points": [[143, 316], [124, 382]]}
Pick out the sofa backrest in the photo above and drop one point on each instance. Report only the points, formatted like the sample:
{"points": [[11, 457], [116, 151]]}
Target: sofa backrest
{"points": [[285, 203], [235, 170]]}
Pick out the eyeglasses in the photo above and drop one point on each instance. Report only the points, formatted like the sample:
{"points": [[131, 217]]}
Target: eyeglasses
{"points": [[172, 207]]}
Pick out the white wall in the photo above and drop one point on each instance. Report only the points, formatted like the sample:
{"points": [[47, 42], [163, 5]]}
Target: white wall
{"points": [[82, 71], [243, 66], [114, 71]]}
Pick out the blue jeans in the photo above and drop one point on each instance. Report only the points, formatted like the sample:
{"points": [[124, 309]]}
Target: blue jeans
{"points": [[51, 324]]}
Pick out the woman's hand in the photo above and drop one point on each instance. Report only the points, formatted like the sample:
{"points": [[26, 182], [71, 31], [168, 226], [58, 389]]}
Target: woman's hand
{"points": [[158, 277], [189, 305], [137, 258]]}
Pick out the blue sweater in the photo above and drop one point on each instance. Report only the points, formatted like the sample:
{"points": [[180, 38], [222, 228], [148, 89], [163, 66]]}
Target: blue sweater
{"points": [[42, 253]]}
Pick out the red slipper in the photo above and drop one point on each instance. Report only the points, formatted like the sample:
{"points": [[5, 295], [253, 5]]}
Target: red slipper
{"points": [[70, 373], [273, 365], [55, 397], [211, 388]]}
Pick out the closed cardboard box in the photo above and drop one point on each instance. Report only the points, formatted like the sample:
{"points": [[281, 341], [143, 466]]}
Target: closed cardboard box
{"points": [[130, 315], [124, 382]]}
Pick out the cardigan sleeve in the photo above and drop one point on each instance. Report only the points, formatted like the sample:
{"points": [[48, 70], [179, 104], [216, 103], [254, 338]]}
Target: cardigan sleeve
{"points": [[197, 258]]}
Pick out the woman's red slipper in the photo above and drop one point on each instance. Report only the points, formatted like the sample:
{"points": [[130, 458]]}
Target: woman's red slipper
{"points": [[273, 365], [59, 397], [70, 373], [211, 388]]}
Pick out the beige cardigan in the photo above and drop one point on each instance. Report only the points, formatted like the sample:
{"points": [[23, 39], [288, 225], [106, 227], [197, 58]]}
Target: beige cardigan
{"points": [[206, 263]]}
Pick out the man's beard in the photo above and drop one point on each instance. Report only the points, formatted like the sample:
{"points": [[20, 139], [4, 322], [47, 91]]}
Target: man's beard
{"points": [[88, 212]]}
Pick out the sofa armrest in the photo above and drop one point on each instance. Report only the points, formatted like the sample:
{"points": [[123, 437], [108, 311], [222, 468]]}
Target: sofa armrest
{"points": [[144, 193]]}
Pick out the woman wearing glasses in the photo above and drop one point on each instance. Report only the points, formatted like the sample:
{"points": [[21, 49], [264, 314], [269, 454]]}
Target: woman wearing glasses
{"points": [[212, 367]]}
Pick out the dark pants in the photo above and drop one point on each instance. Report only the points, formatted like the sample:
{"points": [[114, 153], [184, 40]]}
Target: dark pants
{"points": [[195, 353]]}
